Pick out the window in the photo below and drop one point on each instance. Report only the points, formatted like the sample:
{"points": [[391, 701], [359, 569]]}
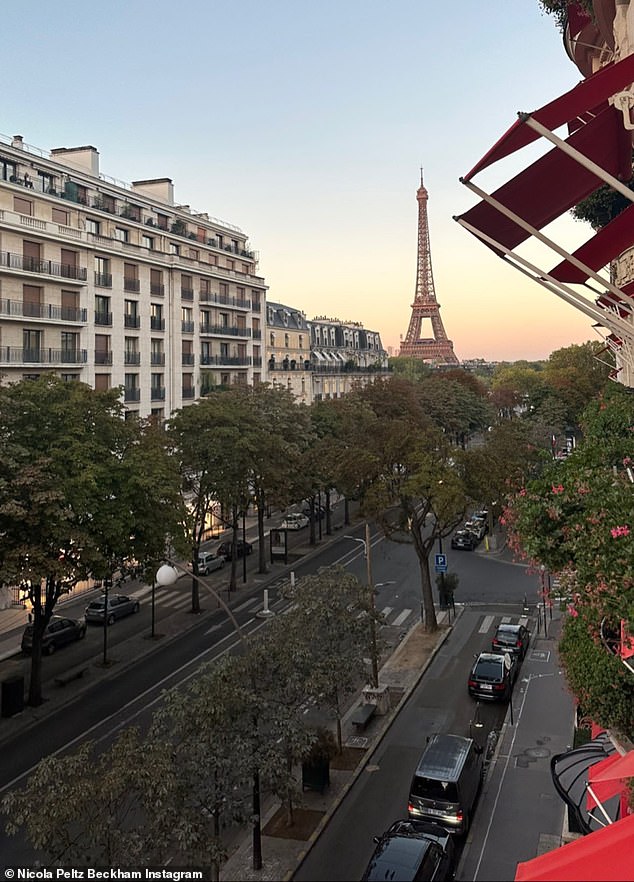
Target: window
{"points": [[148, 242], [245, 269], [70, 347], [162, 221], [175, 248], [103, 316], [32, 300], [131, 314], [131, 277], [8, 169], [157, 353], [47, 182], [31, 344], [230, 265], [59, 216], [272, 338], [223, 319], [187, 287], [157, 322], [121, 234], [103, 354], [205, 288], [224, 289], [132, 355], [103, 274], [255, 301], [286, 341], [194, 254], [93, 226], [22, 206], [102, 382], [301, 341], [157, 288]]}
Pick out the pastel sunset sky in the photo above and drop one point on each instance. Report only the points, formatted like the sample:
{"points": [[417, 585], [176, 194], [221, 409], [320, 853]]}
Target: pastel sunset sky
{"points": [[306, 124]]}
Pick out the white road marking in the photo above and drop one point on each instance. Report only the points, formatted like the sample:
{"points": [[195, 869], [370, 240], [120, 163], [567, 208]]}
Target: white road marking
{"points": [[401, 618], [486, 624]]}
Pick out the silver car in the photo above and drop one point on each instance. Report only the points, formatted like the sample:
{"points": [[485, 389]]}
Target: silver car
{"points": [[119, 605]]}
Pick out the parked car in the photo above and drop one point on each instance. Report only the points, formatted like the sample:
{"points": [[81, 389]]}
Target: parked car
{"points": [[481, 515], [446, 782], [208, 562], [412, 850], [242, 549], [477, 527], [511, 638], [119, 605], [492, 676], [295, 522], [58, 632], [464, 539], [320, 512]]}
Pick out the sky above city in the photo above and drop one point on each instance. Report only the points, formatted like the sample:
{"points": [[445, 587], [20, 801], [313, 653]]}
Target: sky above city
{"points": [[306, 125]]}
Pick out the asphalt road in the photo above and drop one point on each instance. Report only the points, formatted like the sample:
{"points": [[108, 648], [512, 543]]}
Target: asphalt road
{"points": [[132, 695]]}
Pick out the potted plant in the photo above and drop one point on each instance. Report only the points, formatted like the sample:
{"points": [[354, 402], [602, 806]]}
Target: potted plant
{"points": [[316, 763], [179, 228]]}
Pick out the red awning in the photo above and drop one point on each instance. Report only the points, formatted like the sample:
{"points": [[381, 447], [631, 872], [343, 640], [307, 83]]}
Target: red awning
{"points": [[602, 856], [591, 93], [554, 183], [622, 767], [601, 788], [613, 239]]}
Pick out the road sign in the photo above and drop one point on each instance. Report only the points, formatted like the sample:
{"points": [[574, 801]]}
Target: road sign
{"points": [[440, 563]]}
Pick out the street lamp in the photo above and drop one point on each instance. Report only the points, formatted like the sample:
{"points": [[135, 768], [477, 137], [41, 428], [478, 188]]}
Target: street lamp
{"points": [[373, 648], [166, 575]]}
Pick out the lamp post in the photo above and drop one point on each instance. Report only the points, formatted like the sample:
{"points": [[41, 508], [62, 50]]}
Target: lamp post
{"points": [[166, 575], [373, 648]]}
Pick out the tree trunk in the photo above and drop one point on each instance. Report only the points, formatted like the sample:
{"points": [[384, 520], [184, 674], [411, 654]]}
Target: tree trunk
{"points": [[328, 514], [428, 609], [261, 507], [346, 512]]}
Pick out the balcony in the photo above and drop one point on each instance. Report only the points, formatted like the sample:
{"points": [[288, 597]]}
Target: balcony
{"points": [[131, 394], [16, 355], [157, 393], [187, 293], [157, 290], [102, 356], [224, 330], [26, 309], [229, 360], [187, 358], [131, 321], [187, 327], [156, 323], [157, 358], [103, 280], [224, 299], [133, 285], [103, 318], [132, 358], [43, 267], [187, 392], [257, 334]]}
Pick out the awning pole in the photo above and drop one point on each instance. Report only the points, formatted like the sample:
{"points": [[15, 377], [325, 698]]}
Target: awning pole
{"points": [[537, 234], [619, 326], [599, 805], [580, 158]]}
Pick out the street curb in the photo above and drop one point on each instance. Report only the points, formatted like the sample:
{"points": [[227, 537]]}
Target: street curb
{"points": [[372, 748]]}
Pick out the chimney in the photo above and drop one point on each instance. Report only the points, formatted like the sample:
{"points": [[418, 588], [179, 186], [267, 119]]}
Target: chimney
{"points": [[18, 142]]}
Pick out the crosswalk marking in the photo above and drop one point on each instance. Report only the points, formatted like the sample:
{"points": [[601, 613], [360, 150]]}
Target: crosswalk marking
{"points": [[401, 618], [386, 611], [506, 620], [487, 621]]}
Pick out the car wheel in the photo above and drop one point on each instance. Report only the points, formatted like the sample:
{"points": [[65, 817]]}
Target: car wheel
{"points": [[111, 620], [50, 649], [82, 634], [136, 608]]}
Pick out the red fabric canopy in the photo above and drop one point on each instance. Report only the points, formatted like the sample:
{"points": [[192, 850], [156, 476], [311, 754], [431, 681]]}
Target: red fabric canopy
{"points": [[602, 856], [587, 95], [555, 182], [613, 239], [622, 767], [603, 789]]}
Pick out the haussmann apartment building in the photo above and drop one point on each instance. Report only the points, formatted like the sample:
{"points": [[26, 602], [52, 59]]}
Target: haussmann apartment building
{"points": [[116, 285]]}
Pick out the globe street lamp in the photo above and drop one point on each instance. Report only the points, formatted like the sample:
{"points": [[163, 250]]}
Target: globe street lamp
{"points": [[166, 575]]}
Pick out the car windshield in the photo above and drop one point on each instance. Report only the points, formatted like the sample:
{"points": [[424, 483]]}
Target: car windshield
{"points": [[505, 636], [96, 604]]}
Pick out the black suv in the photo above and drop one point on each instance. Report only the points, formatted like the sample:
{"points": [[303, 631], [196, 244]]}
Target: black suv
{"points": [[492, 676], [412, 850], [464, 539], [511, 638], [242, 549]]}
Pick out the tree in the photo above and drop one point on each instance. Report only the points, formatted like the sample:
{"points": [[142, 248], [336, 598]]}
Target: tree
{"points": [[326, 620], [69, 507], [577, 375], [409, 477], [91, 809]]}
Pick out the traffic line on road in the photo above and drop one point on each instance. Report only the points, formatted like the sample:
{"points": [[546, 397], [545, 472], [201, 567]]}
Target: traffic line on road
{"points": [[398, 621], [487, 621]]}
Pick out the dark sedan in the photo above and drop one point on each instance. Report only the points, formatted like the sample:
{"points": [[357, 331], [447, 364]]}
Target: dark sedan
{"points": [[242, 549], [464, 539], [119, 605], [58, 632], [412, 850]]}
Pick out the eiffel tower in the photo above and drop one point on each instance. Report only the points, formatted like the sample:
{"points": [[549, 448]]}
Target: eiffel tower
{"points": [[437, 349]]}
